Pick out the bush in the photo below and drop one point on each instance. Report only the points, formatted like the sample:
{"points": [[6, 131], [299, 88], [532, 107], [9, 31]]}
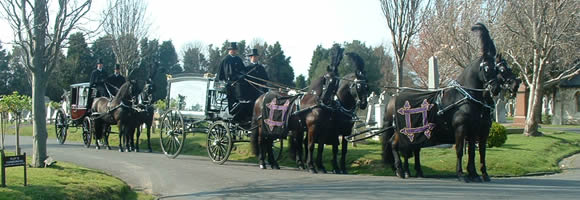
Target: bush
{"points": [[546, 119], [497, 135]]}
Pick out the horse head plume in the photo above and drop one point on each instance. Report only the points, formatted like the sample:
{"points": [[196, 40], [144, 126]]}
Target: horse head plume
{"points": [[358, 62], [336, 54], [487, 46]]}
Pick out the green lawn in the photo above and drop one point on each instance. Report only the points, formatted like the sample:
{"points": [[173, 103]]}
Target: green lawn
{"points": [[65, 181], [520, 155]]}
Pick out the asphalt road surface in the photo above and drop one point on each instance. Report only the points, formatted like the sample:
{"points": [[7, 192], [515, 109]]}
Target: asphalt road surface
{"points": [[195, 177]]}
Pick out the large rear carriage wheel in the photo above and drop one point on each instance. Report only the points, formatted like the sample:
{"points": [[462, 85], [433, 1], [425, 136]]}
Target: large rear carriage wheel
{"points": [[60, 126], [172, 133], [88, 130], [219, 142]]}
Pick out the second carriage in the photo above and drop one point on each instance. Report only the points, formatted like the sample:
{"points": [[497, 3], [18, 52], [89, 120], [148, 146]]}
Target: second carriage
{"points": [[198, 104]]}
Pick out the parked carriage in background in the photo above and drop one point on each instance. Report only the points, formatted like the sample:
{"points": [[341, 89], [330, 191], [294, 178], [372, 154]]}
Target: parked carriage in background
{"points": [[75, 112], [200, 105]]}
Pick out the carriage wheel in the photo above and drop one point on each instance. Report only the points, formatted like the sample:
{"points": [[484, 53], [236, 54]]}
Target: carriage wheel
{"points": [[172, 134], [88, 130], [219, 142], [277, 148], [60, 126]]}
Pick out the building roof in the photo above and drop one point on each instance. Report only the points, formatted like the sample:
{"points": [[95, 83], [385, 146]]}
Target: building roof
{"points": [[572, 82]]}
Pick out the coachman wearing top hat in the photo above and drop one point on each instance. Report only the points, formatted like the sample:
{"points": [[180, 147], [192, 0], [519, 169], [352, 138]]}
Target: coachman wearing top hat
{"points": [[115, 80], [232, 71], [97, 82], [256, 74]]}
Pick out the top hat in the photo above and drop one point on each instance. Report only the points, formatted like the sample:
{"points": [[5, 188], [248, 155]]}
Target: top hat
{"points": [[254, 53], [233, 46], [99, 61], [117, 66]]}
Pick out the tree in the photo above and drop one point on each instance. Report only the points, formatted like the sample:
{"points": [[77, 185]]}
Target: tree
{"points": [[194, 60], [4, 71], [543, 43], [41, 45], [15, 104], [278, 65], [168, 58], [404, 19], [125, 21], [300, 82], [103, 49]]}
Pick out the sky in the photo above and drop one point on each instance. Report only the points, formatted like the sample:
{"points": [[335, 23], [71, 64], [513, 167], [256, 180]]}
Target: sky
{"points": [[299, 25]]}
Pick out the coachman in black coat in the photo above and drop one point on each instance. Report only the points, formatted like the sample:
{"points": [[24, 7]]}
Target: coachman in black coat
{"points": [[232, 71], [116, 80], [97, 82]]}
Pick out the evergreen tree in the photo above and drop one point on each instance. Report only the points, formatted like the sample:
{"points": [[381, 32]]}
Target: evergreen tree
{"points": [[149, 57], [214, 60], [103, 49], [194, 61], [168, 58], [4, 72], [300, 82], [278, 65]]}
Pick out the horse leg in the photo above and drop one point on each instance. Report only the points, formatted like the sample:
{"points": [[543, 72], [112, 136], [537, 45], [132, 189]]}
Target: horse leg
{"points": [[273, 163], [98, 133], [406, 171], [334, 161], [397, 160], [131, 141], [106, 137], [472, 173], [299, 140], [261, 151], [149, 137], [418, 169], [459, 145], [343, 155], [310, 151], [121, 138], [319, 164], [138, 136], [483, 169]]}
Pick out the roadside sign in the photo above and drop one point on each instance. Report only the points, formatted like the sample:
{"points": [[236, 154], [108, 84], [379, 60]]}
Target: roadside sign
{"points": [[11, 161]]}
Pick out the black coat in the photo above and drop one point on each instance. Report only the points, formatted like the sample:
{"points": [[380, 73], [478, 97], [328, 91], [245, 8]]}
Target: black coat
{"points": [[231, 69], [98, 82], [116, 80], [258, 71]]}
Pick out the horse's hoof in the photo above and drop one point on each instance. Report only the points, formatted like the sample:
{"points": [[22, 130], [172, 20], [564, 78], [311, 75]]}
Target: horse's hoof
{"points": [[275, 167], [486, 178], [323, 171], [344, 171], [136, 150], [407, 175], [399, 173], [97, 147], [121, 150], [334, 171], [312, 170], [150, 151], [108, 148], [476, 179], [262, 166]]}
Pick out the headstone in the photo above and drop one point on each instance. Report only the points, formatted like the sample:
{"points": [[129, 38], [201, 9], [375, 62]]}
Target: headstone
{"points": [[372, 100], [521, 106], [500, 112], [433, 73], [380, 108]]}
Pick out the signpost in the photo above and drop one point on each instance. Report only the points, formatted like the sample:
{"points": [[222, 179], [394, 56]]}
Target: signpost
{"points": [[11, 161]]}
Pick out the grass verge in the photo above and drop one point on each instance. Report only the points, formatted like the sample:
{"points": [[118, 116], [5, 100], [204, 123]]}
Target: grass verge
{"points": [[65, 181]]}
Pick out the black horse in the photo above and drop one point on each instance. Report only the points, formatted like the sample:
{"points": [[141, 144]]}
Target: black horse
{"points": [[118, 111], [325, 125], [144, 115], [462, 108]]}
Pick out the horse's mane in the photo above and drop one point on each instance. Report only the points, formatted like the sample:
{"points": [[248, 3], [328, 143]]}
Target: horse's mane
{"points": [[123, 92]]}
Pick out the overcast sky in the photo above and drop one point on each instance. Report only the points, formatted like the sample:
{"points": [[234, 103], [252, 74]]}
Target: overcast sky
{"points": [[299, 25]]}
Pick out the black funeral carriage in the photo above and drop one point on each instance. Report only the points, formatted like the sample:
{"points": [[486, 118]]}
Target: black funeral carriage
{"points": [[74, 112], [198, 104]]}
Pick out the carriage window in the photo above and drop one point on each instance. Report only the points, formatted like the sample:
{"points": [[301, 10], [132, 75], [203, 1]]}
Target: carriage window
{"points": [[577, 101], [189, 95]]}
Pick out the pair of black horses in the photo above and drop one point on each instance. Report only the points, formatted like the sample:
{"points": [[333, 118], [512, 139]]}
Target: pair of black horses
{"points": [[464, 119], [123, 110]]}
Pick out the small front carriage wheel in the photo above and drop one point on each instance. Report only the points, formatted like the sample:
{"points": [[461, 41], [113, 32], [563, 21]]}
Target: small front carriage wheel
{"points": [[172, 133], [219, 142]]}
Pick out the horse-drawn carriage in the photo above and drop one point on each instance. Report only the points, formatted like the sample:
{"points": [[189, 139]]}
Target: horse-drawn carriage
{"points": [[74, 112], [198, 104]]}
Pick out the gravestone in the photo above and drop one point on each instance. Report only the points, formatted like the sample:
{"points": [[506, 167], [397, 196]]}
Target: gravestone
{"points": [[372, 100], [521, 105], [500, 111], [433, 73]]}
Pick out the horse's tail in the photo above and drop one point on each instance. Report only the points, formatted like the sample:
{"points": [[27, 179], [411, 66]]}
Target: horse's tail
{"points": [[388, 133], [487, 46]]}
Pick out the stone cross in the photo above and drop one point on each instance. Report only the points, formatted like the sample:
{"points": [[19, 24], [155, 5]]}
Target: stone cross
{"points": [[433, 73]]}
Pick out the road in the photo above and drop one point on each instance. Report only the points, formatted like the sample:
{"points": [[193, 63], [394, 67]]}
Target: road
{"points": [[195, 177]]}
